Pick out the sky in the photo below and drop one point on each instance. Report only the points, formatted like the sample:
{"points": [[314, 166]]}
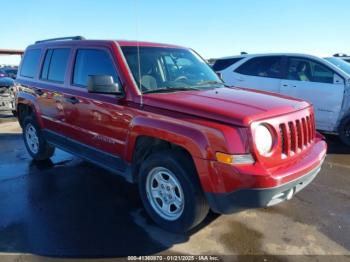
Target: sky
{"points": [[213, 28]]}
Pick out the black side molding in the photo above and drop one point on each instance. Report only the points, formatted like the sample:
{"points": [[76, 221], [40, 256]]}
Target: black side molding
{"points": [[105, 160]]}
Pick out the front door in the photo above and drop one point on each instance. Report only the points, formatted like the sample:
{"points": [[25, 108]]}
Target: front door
{"points": [[97, 120], [316, 83]]}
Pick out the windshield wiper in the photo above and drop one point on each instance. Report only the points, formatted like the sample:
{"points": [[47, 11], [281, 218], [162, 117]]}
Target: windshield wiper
{"points": [[170, 89], [211, 82]]}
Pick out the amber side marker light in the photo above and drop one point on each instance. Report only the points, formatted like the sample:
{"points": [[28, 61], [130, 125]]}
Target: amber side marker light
{"points": [[234, 159]]}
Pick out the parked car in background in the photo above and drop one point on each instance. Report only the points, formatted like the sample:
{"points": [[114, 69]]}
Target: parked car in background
{"points": [[10, 72], [2, 73], [345, 57], [323, 82], [159, 116], [7, 87], [7, 94]]}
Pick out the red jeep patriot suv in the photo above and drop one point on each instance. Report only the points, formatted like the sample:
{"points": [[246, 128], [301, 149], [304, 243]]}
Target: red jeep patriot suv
{"points": [[159, 116]]}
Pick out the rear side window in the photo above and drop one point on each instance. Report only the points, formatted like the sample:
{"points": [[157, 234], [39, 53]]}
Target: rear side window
{"points": [[55, 64], [30, 63], [222, 64], [92, 62], [268, 66]]}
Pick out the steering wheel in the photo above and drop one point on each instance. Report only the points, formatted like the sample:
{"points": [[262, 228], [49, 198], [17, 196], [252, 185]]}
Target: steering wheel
{"points": [[181, 78]]}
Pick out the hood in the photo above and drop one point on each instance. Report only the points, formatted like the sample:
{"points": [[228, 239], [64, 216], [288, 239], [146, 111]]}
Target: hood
{"points": [[237, 106]]}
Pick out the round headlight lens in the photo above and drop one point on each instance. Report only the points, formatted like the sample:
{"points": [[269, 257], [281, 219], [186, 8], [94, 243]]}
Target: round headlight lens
{"points": [[263, 139]]}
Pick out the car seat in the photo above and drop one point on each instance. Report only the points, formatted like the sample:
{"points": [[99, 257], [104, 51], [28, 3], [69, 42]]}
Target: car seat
{"points": [[304, 71]]}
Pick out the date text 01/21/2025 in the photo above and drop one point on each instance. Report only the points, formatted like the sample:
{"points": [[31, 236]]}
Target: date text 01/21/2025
{"points": [[174, 258]]}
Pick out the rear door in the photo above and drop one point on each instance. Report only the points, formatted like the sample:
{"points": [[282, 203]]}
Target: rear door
{"points": [[43, 71], [261, 73], [51, 87], [318, 84]]}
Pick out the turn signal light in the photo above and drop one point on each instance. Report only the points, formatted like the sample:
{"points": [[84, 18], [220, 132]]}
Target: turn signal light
{"points": [[234, 159], [224, 158]]}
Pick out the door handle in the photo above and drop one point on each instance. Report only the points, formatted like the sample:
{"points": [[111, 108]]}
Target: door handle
{"points": [[286, 85], [39, 92], [73, 100]]}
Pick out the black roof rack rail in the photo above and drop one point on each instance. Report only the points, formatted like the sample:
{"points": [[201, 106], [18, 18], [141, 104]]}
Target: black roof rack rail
{"points": [[61, 39]]}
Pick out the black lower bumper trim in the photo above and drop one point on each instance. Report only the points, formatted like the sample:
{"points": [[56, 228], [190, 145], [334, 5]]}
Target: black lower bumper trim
{"points": [[226, 203]]}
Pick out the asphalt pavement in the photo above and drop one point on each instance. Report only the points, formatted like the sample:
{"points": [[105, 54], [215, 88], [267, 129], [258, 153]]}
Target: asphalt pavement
{"points": [[68, 208]]}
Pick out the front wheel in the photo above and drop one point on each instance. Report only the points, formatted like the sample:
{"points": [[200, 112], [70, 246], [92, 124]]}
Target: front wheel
{"points": [[344, 131], [170, 191]]}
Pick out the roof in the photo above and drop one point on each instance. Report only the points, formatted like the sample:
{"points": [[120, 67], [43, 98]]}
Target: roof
{"points": [[145, 44], [64, 41], [268, 54]]}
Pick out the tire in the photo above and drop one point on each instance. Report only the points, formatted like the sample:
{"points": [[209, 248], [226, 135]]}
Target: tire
{"points": [[344, 131], [36, 144], [185, 199]]}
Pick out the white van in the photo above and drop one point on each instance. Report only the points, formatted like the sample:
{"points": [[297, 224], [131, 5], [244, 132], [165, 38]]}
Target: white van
{"points": [[324, 82]]}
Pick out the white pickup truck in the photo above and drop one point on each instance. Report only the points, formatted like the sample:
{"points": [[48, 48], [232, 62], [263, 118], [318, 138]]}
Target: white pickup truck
{"points": [[324, 82]]}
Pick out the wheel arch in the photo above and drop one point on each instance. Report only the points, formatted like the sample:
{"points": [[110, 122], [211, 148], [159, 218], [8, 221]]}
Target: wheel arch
{"points": [[27, 104], [343, 129], [149, 135]]}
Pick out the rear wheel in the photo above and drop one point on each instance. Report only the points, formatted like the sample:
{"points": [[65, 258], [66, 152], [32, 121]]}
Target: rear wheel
{"points": [[344, 131], [170, 191], [35, 142]]}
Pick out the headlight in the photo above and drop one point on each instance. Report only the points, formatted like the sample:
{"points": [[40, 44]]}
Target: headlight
{"points": [[263, 139]]}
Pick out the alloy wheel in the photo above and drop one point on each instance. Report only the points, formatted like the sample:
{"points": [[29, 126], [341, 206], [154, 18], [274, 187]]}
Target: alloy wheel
{"points": [[165, 193], [32, 138]]}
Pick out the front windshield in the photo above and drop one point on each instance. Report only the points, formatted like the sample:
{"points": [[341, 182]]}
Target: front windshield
{"points": [[169, 69], [345, 66]]}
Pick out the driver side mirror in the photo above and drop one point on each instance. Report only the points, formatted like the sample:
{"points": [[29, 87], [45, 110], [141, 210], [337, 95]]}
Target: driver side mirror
{"points": [[338, 80], [219, 75], [102, 84]]}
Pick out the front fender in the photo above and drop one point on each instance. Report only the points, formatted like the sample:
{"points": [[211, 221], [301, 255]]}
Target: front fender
{"points": [[193, 140]]}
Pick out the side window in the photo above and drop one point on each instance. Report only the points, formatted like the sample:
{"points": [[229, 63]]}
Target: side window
{"points": [[55, 64], [92, 62], [222, 64], [30, 63], [268, 66], [302, 69]]}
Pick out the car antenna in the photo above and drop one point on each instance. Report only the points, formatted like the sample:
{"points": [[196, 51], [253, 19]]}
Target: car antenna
{"points": [[138, 52]]}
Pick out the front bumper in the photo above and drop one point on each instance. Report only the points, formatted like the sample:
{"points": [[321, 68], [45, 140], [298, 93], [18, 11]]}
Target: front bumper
{"points": [[226, 203]]}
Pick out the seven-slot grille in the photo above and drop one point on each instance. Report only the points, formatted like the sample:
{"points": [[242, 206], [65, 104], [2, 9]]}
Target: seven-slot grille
{"points": [[297, 135]]}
